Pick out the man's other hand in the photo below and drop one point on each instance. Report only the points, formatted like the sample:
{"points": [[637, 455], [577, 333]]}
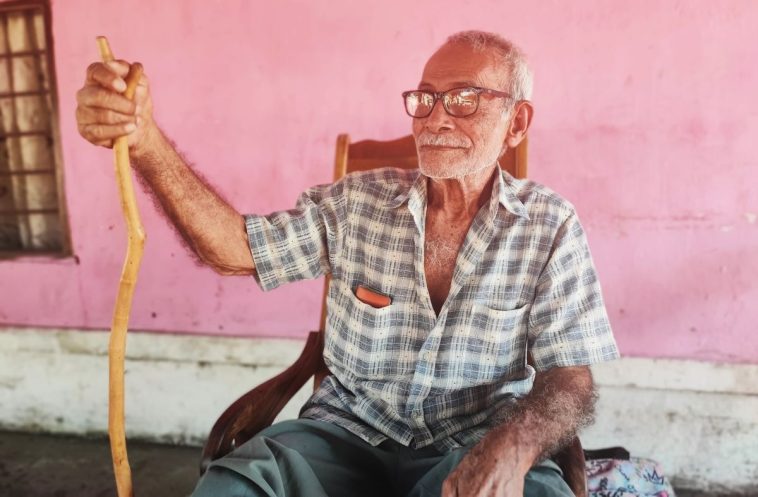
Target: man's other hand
{"points": [[103, 113], [484, 472]]}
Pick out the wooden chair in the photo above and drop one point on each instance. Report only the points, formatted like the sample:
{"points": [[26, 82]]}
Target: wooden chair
{"points": [[257, 409]]}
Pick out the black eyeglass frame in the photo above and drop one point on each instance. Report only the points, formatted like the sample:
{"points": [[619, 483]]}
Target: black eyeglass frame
{"points": [[440, 95]]}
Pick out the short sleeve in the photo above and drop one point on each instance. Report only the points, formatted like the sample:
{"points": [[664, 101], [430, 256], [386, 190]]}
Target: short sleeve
{"points": [[568, 323], [300, 243]]}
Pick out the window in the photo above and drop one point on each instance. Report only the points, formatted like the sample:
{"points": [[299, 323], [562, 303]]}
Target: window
{"points": [[32, 217]]}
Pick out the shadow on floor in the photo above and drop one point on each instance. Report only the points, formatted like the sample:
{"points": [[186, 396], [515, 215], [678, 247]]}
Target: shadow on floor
{"points": [[58, 466]]}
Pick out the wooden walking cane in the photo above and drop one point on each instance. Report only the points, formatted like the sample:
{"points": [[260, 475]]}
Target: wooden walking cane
{"points": [[117, 346]]}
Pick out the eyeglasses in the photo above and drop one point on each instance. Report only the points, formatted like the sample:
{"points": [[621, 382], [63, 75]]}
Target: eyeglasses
{"points": [[458, 102]]}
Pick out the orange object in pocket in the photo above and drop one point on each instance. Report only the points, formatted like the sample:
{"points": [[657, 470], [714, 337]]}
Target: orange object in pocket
{"points": [[372, 297]]}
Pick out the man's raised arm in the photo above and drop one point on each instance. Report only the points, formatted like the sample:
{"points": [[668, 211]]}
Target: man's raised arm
{"points": [[211, 227]]}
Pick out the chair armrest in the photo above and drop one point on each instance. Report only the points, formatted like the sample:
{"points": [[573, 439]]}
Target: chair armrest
{"points": [[258, 408], [571, 461]]}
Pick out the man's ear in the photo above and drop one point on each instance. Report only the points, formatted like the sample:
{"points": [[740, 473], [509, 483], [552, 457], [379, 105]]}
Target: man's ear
{"points": [[520, 122]]}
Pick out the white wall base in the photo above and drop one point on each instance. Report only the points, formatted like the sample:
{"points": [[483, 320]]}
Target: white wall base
{"points": [[176, 385], [699, 419]]}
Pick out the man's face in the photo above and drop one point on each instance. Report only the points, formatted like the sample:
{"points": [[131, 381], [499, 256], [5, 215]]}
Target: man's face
{"points": [[453, 147]]}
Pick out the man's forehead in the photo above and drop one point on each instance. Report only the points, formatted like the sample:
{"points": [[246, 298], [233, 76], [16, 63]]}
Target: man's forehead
{"points": [[459, 65]]}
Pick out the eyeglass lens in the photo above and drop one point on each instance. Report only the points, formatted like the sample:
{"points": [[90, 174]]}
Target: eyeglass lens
{"points": [[458, 102]]}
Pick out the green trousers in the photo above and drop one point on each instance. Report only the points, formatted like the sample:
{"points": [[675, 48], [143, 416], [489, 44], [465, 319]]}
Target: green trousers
{"points": [[307, 458]]}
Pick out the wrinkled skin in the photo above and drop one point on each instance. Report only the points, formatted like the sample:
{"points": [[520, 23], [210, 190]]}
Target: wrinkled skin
{"points": [[474, 142], [103, 113]]}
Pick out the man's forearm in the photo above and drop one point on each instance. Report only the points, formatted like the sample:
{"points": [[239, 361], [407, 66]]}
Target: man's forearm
{"points": [[561, 402], [212, 228]]}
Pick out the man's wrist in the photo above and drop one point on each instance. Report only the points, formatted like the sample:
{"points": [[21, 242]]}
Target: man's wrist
{"points": [[520, 455], [148, 144]]}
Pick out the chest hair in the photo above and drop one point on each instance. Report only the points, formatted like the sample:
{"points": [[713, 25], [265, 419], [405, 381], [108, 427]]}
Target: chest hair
{"points": [[441, 247]]}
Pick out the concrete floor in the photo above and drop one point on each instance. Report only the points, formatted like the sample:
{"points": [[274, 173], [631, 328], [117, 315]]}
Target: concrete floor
{"points": [[34, 465], [56, 466]]}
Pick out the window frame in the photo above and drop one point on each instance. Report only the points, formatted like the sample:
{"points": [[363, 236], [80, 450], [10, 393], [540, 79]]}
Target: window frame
{"points": [[66, 249]]}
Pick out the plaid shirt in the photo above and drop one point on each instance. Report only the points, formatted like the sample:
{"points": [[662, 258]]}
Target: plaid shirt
{"points": [[523, 278]]}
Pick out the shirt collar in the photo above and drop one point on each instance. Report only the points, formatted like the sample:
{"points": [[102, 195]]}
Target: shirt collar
{"points": [[503, 190], [416, 190], [506, 192]]}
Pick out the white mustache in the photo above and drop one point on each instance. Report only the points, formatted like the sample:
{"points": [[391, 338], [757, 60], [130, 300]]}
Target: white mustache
{"points": [[432, 140]]}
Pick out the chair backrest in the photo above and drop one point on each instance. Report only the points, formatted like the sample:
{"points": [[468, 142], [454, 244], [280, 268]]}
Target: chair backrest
{"points": [[371, 154]]}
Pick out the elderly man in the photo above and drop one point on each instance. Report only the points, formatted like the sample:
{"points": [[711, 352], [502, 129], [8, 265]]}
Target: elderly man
{"points": [[430, 393]]}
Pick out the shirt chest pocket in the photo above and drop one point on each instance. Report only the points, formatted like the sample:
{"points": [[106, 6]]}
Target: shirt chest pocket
{"points": [[362, 339], [495, 343]]}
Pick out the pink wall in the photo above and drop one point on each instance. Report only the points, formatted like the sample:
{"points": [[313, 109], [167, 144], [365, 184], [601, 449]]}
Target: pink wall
{"points": [[646, 118]]}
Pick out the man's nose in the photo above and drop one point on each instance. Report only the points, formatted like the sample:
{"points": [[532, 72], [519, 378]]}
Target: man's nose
{"points": [[439, 120]]}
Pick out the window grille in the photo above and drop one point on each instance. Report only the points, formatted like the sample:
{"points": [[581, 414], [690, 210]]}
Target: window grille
{"points": [[32, 218]]}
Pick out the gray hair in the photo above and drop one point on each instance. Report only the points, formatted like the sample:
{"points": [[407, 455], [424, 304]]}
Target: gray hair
{"points": [[519, 76]]}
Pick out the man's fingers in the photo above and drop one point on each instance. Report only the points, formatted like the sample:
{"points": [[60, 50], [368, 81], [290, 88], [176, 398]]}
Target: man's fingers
{"points": [[141, 92], [120, 66], [106, 75], [93, 96], [449, 487], [101, 132], [103, 113], [103, 143], [143, 81], [97, 115]]}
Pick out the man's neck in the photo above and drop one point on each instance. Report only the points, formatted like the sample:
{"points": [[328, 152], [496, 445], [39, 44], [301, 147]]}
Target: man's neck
{"points": [[460, 198]]}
